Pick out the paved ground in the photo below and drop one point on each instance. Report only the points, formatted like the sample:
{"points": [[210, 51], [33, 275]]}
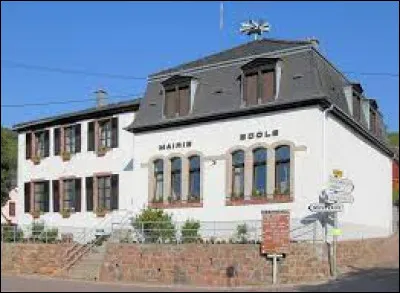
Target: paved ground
{"points": [[369, 280]]}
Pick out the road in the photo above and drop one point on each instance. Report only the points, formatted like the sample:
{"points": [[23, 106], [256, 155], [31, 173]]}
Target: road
{"points": [[365, 280]]}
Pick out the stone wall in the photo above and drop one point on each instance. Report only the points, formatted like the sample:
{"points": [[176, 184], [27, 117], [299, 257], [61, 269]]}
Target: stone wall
{"points": [[210, 265], [42, 259]]}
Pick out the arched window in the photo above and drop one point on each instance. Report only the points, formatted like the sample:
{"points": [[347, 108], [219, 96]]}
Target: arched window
{"points": [[158, 180], [194, 178], [282, 169], [176, 178], [238, 174], [259, 172]]}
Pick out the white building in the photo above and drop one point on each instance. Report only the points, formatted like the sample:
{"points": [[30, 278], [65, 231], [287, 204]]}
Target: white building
{"points": [[258, 127], [8, 211]]}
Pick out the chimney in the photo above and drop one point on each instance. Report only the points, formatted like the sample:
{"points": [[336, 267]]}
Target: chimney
{"points": [[314, 42], [101, 98]]}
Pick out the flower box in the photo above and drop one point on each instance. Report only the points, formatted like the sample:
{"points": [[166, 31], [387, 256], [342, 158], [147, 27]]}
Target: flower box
{"points": [[35, 214], [101, 212], [36, 160], [66, 213], [66, 156], [102, 151]]}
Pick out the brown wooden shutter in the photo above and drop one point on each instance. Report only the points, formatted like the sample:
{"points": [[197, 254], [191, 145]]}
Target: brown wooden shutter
{"points": [[114, 132], [28, 145], [114, 191], [267, 86], [251, 89], [46, 143], [27, 197], [90, 136], [170, 103], [11, 209], [78, 191], [89, 193], [184, 100], [56, 196], [57, 141], [46, 196], [77, 138]]}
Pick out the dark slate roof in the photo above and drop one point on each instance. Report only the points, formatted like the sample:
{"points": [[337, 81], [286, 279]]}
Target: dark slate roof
{"points": [[305, 74], [249, 49], [120, 107]]}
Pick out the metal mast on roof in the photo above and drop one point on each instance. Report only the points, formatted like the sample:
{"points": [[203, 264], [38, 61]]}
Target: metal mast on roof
{"points": [[256, 28]]}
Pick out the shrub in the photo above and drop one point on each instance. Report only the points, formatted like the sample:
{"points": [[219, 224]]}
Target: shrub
{"points": [[11, 233], [241, 232], [155, 225], [190, 231], [49, 236], [37, 230]]}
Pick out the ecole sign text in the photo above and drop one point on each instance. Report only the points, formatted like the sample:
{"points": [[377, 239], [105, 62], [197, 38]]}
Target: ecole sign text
{"points": [[258, 134]]}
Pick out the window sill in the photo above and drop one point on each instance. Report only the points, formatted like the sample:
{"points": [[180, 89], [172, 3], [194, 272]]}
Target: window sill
{"points": [[260, 200], [173, 205]]}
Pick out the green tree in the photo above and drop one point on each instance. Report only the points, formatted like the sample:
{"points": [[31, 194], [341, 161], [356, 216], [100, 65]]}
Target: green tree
{"points": [[8, 162], [190, 231]]}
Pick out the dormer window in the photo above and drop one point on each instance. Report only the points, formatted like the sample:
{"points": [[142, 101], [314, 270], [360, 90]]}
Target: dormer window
{"points": [[259, 81], [177, 97], [356, 107]]}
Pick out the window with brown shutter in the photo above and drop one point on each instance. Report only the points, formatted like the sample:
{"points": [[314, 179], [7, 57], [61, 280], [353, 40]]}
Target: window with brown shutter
{"points": [[28, 145], [90, 136], [56, 196], [250, 94], [77, 138], [184, 100], [57, 141], [11, 209], [89, 193], [27, 197], [170, 103], [114, 191], [267, 86], [114, 132], [78, 189]]}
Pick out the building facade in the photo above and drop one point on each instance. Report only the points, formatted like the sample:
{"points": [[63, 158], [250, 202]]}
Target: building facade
{"points": [[258, 127]]}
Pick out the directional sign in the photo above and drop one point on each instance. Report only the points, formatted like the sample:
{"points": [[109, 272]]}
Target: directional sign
{"points": [[343, 185], [332, 196], [322, 208]]}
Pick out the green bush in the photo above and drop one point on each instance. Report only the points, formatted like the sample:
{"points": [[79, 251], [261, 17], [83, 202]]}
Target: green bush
{"points": [[11, 233], [190, 231], [155, 225], [37, 230], [49, 236], [395, 196]]}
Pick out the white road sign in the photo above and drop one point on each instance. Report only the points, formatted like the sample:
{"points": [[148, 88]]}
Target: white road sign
{"points": [[339, 197], [342, 185], [322, 208]]}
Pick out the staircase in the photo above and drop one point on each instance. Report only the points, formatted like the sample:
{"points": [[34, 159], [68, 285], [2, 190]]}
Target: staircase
{"points": [[84, 259]]}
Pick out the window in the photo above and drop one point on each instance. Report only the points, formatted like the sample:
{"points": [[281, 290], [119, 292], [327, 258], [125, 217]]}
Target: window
{"points": [[177, 100], [104, 192], [40, 146], [238, 174], [41, 196], [11, 209], [105, 133], [69, 138], [176, 178], [259, 172], [282, 169], [69, 195], [194, 178], [356, 107], [158, 180]]}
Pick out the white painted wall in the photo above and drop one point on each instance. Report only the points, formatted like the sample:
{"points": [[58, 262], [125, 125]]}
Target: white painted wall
{"points": [[371, 213], [82, 165]]}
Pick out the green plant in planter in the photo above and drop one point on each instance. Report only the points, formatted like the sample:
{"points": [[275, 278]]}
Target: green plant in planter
{"points": [[190, 231], [102, 150], [35, 214], [256, 193], [66, 156], [36, 159], [101, 211], [66, 212], [237, 196]]}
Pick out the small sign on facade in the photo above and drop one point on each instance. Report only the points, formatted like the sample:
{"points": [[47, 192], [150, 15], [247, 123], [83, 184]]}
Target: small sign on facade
{"points": [[339, 197], [323, 208]]}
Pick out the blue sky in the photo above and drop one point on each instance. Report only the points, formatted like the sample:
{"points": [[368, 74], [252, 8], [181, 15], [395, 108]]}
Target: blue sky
{"points": [[138, 38]]}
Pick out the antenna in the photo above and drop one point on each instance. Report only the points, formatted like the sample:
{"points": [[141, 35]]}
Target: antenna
{"points": [[255, 28]]}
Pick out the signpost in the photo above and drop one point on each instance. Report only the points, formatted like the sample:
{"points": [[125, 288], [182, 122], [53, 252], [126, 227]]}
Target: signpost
{"points": [[338, 191]]}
